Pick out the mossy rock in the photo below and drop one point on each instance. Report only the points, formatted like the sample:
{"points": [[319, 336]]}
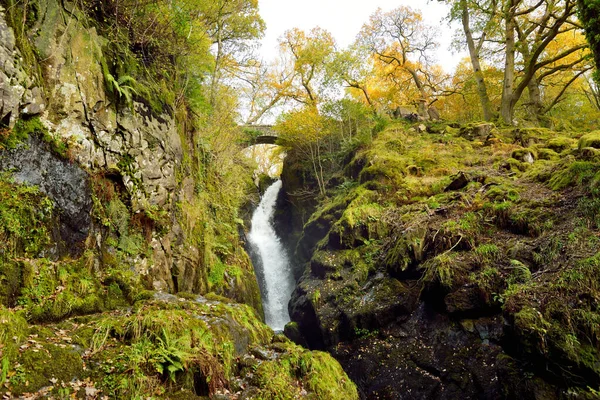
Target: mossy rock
{"points": [[560, 144], [297, 370], [477, 130], [527, 155], [591, 139], [44, 363], [589, 154], [547, 154]]}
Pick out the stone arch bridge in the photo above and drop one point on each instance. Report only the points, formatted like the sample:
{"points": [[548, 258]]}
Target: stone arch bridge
{"points": [[259, 134]]}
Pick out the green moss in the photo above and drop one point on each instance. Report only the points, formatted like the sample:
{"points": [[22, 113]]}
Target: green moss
{"points": [[531, 321], [13, 331], [547, 154], [523, 154], [520, 273], [488, 252], [574, 173], [447, 269], [591, 139], [42, 363], [503, 192], [405, 250], [162, 343], [296, 369], [26, 127], [25, 218], [10, 139], [560, 144]]}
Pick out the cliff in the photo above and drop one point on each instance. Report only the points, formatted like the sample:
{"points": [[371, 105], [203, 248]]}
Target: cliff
{"points": [[121, 267], [453, 262]]}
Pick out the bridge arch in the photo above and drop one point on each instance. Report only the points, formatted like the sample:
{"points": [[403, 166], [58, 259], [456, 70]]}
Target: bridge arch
{"points": [[260, 134]]}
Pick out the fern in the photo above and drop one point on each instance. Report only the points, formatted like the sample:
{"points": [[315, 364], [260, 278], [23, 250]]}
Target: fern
{"points": [[124, 86]]}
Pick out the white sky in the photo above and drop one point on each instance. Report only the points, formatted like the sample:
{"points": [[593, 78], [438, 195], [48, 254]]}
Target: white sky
{"points": [[344, 18]]}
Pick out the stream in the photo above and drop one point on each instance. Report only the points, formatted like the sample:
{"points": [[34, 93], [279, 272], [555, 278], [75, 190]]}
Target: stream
{"points": [[271, 261]]}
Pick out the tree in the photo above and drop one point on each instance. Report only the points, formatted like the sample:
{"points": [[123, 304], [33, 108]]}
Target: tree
{"points": [[552, 80], [309, 55], [231, 24], [589, 13], [304, 130], [522, 32], [266, 87], [354, 69], [400, 39], [464, 104], [485, 12]]}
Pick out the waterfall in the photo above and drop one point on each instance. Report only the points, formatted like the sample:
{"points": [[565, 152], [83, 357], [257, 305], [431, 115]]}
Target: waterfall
{"points": [[271, 261]]}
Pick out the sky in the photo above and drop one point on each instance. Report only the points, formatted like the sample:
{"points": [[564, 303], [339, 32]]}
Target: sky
{"points": [[344, 18]]}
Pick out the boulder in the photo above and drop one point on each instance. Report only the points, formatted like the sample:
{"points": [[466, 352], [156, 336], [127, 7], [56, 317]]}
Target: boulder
{"points": [[479, 131], [591, 139], [459, 181], [524, 155]]}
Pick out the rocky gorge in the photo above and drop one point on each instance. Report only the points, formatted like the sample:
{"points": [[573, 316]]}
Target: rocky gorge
{"points": [[433, 259], [117, 279], [453, 264]]}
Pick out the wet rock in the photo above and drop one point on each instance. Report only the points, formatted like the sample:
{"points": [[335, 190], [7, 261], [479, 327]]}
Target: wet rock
{"points": [[426, 356], [466, 301], [63, 182]]}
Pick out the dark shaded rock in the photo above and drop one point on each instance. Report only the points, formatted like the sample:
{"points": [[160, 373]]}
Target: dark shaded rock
{"points": [[302, 312], [63, 182], [382, 302], [292, 332], [466, 301], [426, 357], [459, 181]]}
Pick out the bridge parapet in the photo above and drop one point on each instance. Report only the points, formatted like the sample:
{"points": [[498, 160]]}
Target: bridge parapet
{"points": [[260, 134]]}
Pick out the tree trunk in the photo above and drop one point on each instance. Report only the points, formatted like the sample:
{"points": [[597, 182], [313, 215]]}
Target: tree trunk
{"points": [[507, 106], [215, 76], [484, 99], [535, 107], [422, 106]]}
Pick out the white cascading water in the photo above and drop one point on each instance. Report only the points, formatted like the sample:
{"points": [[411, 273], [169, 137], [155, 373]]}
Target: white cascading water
{"points": [[273, 264]]}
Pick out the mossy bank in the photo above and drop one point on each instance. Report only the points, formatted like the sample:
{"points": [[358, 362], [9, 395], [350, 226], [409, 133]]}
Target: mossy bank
{"points": [[442, 263]]}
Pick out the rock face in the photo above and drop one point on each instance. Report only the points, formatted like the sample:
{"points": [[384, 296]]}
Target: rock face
{"points": [[142, 147], [18, 92], [65, 183], [460, 288], [139, 149], [128, 146]]}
